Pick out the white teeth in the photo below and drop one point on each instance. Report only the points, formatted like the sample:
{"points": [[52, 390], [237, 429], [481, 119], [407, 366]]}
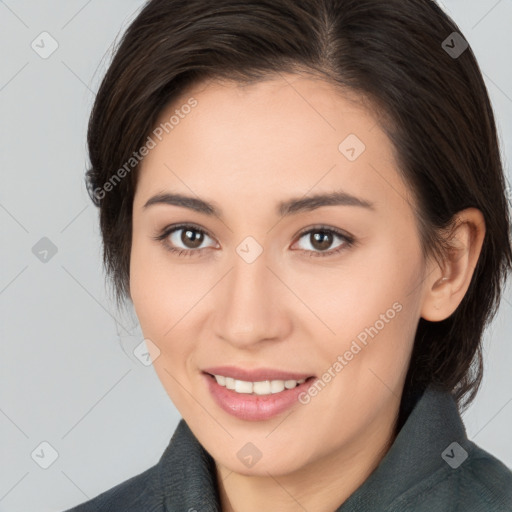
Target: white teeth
{"points": [[276, 386], [241, 386], [261, 388], [265, 387]]}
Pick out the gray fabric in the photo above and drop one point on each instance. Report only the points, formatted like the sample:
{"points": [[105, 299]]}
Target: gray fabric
{"points": [[412, 477]]}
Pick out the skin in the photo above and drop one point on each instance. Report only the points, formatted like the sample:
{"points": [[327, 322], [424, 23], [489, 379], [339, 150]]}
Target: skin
{"points": [[246, 149]]}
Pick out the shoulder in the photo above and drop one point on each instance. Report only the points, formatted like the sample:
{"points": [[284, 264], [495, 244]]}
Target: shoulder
{"points": [[137, 494], [481, 483], [485, 483]]}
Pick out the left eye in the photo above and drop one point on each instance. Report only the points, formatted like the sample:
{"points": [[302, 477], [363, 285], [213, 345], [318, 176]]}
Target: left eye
{"points": [[321, 238]]}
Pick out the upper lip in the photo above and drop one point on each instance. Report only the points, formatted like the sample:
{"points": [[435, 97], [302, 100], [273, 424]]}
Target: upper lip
{"points": [[255, 375]]}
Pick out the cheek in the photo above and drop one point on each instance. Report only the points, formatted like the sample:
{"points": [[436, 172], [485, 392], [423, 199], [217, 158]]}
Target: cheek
{"points": [[164, 295], [375, 314], [160, 299], [151, 287], [365, 286]]}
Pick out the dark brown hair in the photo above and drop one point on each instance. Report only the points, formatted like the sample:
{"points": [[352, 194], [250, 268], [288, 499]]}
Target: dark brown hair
{"points": [[433, 105]]}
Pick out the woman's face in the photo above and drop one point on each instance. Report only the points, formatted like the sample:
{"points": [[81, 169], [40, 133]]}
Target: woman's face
{"points": [[305, 264]]}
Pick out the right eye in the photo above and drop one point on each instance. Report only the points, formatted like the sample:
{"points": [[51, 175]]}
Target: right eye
{"points": [[186, 234]]}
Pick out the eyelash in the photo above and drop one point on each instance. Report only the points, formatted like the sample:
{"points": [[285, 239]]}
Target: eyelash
{"points": [[162, 237]]}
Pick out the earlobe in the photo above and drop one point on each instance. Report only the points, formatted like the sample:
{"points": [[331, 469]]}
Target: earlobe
{"points": [[447, 284]]}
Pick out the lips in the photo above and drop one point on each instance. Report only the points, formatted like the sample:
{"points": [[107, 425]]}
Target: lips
{"points": [[256, 375], [255, 403]]}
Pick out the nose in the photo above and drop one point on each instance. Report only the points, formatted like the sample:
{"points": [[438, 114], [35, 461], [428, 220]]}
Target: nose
{"points": [[251, 305]]}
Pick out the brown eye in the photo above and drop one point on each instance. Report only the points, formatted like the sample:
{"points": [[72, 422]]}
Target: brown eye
{"points": [[191, 238], [322, 238], [184, 239]]}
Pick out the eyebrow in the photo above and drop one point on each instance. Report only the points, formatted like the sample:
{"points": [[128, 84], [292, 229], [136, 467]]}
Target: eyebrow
{"points": [[284, 208]]}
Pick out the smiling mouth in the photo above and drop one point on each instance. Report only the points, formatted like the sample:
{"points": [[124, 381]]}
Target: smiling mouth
{"points": [[261, 388]]}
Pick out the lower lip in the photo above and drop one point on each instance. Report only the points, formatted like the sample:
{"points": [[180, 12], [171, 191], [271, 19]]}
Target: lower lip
{"points": [[254, 407]]}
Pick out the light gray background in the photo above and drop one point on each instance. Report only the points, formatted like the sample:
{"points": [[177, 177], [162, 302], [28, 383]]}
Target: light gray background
{"points": [[68, 376]]}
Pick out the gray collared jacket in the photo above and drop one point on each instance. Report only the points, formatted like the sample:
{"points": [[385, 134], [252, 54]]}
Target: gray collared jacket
{"points": [[431, 467]]}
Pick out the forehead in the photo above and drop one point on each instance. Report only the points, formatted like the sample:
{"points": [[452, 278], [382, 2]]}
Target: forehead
{"points": [[290, 134]]}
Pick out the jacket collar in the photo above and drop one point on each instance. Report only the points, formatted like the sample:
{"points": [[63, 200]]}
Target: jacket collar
{"points": [[432, 426], [188, 475]]}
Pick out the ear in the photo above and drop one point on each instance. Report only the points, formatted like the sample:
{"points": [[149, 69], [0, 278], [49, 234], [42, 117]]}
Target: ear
{"points": [[447, 283]]}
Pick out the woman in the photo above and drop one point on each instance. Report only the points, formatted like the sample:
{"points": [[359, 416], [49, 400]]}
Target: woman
{"points": [[305, 202]]}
